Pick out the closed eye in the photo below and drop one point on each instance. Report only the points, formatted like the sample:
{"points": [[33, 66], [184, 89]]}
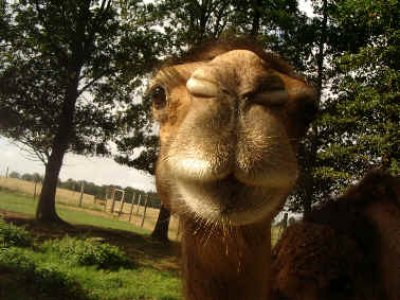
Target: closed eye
{"points": [[271, 98]]}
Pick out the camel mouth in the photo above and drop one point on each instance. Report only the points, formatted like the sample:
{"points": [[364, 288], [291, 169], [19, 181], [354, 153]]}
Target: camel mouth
{"points": [[230, 200]]}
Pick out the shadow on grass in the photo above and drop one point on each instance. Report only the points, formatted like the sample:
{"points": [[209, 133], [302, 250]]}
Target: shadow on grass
{"points": [[139, 248], [17, 283]]}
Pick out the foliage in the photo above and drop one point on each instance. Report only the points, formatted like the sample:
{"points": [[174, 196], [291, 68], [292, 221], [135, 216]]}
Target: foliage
{"points": [[359, 119], [46, 280], [11, 235], [17, 258], [68, 69], [48, 275], [88, 252], [366, 114]]}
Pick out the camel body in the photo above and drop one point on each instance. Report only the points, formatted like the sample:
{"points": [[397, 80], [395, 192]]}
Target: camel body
{"points": [[348, 249]]}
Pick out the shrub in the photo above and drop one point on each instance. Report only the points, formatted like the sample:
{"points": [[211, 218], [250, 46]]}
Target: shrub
{"points": [[44, 280], [17, 258], [88, 252], [11, 235]]}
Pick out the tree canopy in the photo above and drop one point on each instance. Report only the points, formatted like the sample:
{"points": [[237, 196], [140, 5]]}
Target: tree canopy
{"points": [[67, 69]]}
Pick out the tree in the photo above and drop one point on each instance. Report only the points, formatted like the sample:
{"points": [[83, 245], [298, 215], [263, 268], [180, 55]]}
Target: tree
{"points": [[57, 78], [14, 175], [359, 111], [309, 147], [366, 114]]}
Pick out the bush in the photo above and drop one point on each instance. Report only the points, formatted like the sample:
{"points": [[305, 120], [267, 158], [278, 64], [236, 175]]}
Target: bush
{"points": [[17, 258], [44, 280], [88, 252], [11, 235]]}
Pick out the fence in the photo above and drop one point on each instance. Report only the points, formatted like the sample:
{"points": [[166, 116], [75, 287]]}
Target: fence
{"points": [[134, 210]]}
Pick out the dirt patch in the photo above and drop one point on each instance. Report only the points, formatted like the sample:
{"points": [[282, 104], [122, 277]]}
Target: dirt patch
{"points": [[141, 249]]}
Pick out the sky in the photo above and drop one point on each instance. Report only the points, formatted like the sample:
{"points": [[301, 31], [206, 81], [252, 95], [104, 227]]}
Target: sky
{"points": [[93, 169], [78, 167]]}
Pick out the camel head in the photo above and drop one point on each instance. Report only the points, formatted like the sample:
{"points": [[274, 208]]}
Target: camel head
{"points": [[230, 117]]}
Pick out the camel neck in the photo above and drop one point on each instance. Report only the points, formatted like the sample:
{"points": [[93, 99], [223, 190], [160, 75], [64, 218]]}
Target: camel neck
{"points": [[221, 264]]}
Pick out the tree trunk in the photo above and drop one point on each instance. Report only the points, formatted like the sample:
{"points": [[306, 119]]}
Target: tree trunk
{"points": [[311, 156], [46, 210], [160, 232], [255, 26]]}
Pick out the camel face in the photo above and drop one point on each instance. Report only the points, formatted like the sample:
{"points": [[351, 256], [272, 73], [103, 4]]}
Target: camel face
{"points": [[228, 132]]}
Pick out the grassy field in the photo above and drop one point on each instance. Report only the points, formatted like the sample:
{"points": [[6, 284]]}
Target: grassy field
{"points": [[154, 273], [14, 202], [39, 272], [66, 198]]}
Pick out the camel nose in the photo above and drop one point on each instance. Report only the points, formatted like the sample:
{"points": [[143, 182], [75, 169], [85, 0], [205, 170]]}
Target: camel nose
{"points": [[240, 74], [228, 73]]}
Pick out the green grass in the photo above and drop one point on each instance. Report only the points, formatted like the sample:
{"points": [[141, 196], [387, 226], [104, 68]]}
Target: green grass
{"points": [[20, 203], [79, 268], [17, 202], [45, 275]]}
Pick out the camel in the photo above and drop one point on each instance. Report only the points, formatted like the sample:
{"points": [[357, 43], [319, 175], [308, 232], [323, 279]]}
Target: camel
{"points": [[231, 116], [347, 249]]}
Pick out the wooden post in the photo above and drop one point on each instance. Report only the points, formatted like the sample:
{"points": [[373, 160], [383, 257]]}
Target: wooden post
{"points": [[107, 195], [145, 209], [122, 203], [35, 189], [113, 201], [133, 199], [81, 195], [138, 203]]}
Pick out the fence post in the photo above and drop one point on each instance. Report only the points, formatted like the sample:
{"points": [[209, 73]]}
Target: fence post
{"points": [[145, 209], [121, 208], [34, 192], [113, 200], [81, 195], [138, 203], [132, 201], [107, 195]]}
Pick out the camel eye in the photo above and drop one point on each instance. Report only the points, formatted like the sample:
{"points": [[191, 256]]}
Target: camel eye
{"points": [[158, 97]]}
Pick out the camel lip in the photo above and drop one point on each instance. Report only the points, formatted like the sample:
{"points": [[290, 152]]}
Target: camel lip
{"points": [[230, 181], [228, 199]]}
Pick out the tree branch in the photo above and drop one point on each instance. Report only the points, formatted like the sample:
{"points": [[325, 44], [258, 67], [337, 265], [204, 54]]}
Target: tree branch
{"points": [[91, 82]]}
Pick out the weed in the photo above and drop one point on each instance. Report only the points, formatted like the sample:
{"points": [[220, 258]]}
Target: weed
{"points": [[11, 235], [88, 252], [45, 280]]}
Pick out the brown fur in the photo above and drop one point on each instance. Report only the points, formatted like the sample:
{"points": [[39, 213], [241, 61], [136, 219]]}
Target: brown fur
{"points": [[228, 160], [346, 249], [226, 263]]}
